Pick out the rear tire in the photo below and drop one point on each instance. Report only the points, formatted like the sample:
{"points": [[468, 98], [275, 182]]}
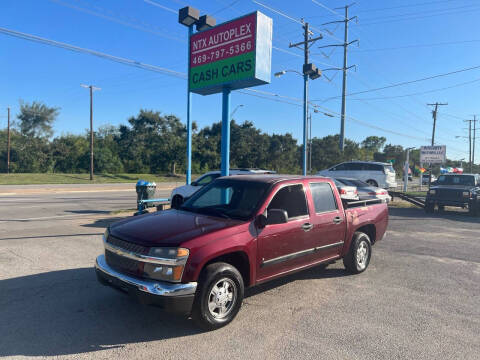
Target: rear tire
{"points": [[358, 256], [219, 296], [372, 182]]}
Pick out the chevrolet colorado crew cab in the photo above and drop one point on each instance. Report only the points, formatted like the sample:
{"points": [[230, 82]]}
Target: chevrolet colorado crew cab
{"points": [[237, 232]]}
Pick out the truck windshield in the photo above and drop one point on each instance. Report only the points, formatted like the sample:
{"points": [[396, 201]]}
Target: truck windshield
{"points": [[456, 180], [228, 198]]}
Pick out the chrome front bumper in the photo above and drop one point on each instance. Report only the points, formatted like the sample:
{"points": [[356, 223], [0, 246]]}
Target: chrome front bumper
{"points": [[150, 287]]}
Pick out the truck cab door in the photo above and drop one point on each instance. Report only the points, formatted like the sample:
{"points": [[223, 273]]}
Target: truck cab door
{"points": [[286, 246]]}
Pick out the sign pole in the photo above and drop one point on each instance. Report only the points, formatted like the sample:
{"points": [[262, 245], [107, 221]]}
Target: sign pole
{"points": [[189, 122], [225, 166]]}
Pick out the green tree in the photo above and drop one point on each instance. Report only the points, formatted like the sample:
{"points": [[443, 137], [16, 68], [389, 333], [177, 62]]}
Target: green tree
{"points": [[36, 119]]}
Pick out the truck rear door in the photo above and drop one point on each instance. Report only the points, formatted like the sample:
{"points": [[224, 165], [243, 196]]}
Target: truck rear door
{"points": [[328, 219]]}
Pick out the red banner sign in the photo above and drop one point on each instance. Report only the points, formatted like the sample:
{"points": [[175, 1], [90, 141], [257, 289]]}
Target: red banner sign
{"points": [[224, 41]]}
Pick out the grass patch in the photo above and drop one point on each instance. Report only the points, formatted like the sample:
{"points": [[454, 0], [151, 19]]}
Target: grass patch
{"points": [[402, 204], [417, 193], [50, 178]]}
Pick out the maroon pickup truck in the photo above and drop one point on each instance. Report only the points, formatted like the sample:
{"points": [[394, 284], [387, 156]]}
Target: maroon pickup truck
{"points": [[237, 232]]}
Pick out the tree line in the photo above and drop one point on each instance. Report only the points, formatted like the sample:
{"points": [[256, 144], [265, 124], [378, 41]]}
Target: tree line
{"points": [[152, 142]]}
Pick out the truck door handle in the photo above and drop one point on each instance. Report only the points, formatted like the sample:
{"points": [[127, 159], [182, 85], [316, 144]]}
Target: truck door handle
{"points": [[337, 220], [307, 227]]}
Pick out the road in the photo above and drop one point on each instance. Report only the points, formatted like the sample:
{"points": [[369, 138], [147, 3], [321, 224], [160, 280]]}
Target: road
{"points": [[419, 299]]}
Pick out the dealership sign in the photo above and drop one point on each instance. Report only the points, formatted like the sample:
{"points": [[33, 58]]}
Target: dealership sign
{"points": [[236, 54], [433, 154]]}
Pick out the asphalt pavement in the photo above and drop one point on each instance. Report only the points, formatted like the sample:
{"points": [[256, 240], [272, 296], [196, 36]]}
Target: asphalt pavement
{"points": [[419, 298]]}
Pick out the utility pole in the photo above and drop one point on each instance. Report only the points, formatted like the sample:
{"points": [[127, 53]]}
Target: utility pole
{"points": [[344, 69], [474, 138], [8, 140], [471, 155], [91, 89], [309, 70], [434, 115]]}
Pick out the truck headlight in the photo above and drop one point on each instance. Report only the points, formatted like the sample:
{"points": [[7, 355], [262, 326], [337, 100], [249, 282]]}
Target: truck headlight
{"points": [[466, 194], [169, 263], [432, 192]]}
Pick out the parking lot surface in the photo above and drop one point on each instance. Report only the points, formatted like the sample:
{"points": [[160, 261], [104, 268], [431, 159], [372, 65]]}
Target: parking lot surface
{"points": [[419, 298]]}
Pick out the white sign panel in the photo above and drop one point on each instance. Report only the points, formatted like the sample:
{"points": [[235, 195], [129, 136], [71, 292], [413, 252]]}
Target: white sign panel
{"points": [[433, 154]]}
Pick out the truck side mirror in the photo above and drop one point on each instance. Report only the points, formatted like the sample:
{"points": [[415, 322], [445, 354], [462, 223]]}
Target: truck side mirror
{"points": [[276, 216], [261, 221]]}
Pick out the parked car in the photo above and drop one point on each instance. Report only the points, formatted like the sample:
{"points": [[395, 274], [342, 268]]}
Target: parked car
{"points": [[366, 191], [425, 178], [183, 192], [347, 192], [374, 173], [234, 233], [459, 190]]}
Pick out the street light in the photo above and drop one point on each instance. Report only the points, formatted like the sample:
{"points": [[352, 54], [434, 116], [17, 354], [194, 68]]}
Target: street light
{"points": [[312, 72], [406, 168], [91, 90], [234, 110], [190, 16]]}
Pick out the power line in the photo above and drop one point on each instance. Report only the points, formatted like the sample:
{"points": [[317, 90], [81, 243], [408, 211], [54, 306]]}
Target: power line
{"points": [[406, 6], [420, 93], [282, 13], [408, 82], [74, 48], [154, 3], [430, 12], [419, 45], [420, 17], [225, 7], [144, 27]]}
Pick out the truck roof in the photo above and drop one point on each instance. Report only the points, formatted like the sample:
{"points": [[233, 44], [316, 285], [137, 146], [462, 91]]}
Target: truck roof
{"points": [[271, 178]]}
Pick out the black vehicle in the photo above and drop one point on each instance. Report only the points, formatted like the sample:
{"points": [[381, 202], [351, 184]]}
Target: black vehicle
{"points": [[459, 190]]}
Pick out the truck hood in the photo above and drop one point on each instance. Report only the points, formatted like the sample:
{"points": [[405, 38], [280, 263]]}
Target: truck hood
{"points": [[168, 228], [454, 187]]}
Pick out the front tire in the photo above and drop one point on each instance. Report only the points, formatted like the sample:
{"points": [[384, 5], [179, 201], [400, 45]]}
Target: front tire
{"points": [[358, 257], [219, 296], [429, 208], [472, 209]]}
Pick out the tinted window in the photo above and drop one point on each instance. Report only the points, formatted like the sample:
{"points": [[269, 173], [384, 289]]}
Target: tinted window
{"points": [[323, 198], [456, 180], [338, 167], [354, 166], [374, 167], [205, 180], [291, 199]]}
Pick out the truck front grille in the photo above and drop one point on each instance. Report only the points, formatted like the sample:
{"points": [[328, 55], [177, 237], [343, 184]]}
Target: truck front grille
{"points": [[450, 194], [124, 264], [125, 245]]}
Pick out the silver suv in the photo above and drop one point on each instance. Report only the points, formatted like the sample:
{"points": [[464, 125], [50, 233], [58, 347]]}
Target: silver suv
{"points": [[377, 174]]}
